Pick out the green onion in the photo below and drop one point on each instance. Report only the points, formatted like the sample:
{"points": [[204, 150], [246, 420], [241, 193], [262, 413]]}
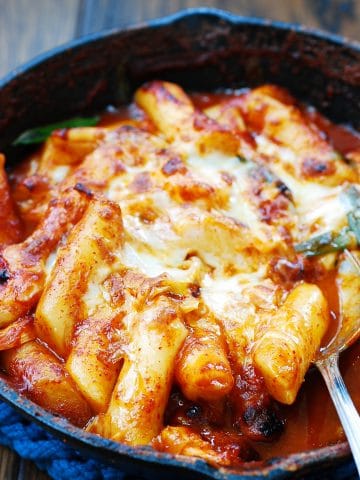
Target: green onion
{"points": [[40, 134], [353, 197], [331, 241], [326, 243]]}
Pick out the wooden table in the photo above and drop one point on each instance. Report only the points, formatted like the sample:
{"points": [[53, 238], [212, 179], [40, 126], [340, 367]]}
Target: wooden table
{"points": [[29, 27]]}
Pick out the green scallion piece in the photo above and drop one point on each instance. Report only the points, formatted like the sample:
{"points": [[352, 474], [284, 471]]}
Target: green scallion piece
{"points": [[326, 243], [352, 195], [331, 241], [40, 134]]}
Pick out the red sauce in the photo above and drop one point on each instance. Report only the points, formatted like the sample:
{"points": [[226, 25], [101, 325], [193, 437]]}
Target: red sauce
{"points": [[327, 283], [111, 116], [207, 100], [343, 138], [312, 421]]}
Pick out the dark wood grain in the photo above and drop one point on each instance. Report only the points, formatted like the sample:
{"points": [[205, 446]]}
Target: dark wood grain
{"points": [[29, 27], [9, 465], [28, 471], [338, 16]]}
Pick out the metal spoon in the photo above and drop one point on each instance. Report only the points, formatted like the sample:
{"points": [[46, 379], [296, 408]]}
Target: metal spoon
{"points": [[327, 363]]}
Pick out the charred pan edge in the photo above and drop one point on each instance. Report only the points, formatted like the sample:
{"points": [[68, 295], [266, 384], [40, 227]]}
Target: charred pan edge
{"points": [[84, 76], [146, 461], [204, 49], [174, 18]]}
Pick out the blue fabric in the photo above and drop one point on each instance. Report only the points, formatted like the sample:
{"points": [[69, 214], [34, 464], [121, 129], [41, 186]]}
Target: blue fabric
{"points": [[51, 455]]}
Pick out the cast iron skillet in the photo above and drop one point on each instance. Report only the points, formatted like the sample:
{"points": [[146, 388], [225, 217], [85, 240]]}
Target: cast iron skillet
{"points": [[202, 49]]}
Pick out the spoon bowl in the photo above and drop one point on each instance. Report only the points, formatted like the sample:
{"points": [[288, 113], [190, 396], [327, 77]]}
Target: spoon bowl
{"points": [[328, 364]]}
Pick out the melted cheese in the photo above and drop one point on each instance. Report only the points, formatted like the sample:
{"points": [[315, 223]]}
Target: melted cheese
{"points": [[59, 173], [202, 228], [96, 294], [49, 264], [190, 244], [224, 248], [210, 168], [319, 208]]}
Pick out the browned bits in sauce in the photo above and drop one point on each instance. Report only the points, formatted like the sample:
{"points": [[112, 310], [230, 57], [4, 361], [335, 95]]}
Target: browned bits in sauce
{"points": [[315, 168], [80, 187], [246, 424], [172, 166]]}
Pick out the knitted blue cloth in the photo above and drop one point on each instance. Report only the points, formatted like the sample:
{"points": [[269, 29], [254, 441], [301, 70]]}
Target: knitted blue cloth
{"points": [[62, 462], [51, 455]]}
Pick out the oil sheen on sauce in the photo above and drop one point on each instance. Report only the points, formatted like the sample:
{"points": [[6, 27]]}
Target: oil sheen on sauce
{"points": [[311, 422]]}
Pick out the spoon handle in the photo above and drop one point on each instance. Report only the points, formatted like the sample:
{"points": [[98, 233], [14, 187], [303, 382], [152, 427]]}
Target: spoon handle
{"points": [[345, 408]]}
